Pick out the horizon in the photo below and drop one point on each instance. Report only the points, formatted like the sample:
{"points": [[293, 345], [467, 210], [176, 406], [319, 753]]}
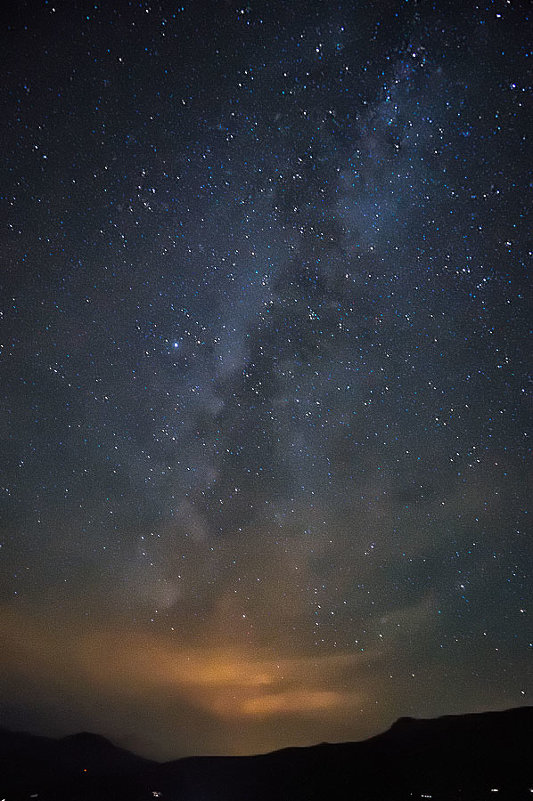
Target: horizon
{"points": [[264, 370], [98, 736]]}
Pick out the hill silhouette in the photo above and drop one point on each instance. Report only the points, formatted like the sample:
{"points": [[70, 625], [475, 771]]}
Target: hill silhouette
{"points": [[463, 757]]}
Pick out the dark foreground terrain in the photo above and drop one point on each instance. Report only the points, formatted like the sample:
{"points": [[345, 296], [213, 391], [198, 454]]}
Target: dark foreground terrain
{"points": [[469, 757]]}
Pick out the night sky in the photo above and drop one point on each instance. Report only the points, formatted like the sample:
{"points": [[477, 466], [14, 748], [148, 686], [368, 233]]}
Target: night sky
{"points": [[263, 372]]}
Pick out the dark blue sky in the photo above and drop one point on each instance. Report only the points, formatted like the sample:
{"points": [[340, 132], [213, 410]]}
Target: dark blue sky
{"points": [[264, 311]]}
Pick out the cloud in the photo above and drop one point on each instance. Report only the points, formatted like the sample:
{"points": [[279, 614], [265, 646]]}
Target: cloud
{"points": [[227, 686]]}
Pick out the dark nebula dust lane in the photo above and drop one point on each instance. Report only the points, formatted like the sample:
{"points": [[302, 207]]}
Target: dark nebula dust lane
{"points": [[264, 314]]}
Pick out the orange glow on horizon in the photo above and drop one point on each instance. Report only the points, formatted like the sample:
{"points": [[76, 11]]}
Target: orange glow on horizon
{"points": [[229, 683]]}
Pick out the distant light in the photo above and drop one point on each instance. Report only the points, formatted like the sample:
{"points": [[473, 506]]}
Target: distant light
{"points": [[175, 344]]}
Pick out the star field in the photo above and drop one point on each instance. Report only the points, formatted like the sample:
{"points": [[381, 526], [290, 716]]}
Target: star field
{"points": [[263, 369]]}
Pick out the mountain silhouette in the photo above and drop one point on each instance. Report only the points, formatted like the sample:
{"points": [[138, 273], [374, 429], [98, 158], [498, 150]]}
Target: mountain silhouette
{"points": [[453, 758]]}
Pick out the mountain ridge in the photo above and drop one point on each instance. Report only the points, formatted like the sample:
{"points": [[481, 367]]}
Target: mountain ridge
{"points": [[451, 757]]}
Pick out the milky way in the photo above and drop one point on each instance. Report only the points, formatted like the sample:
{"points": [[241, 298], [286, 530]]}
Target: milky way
{"points": [[264, 360]]}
